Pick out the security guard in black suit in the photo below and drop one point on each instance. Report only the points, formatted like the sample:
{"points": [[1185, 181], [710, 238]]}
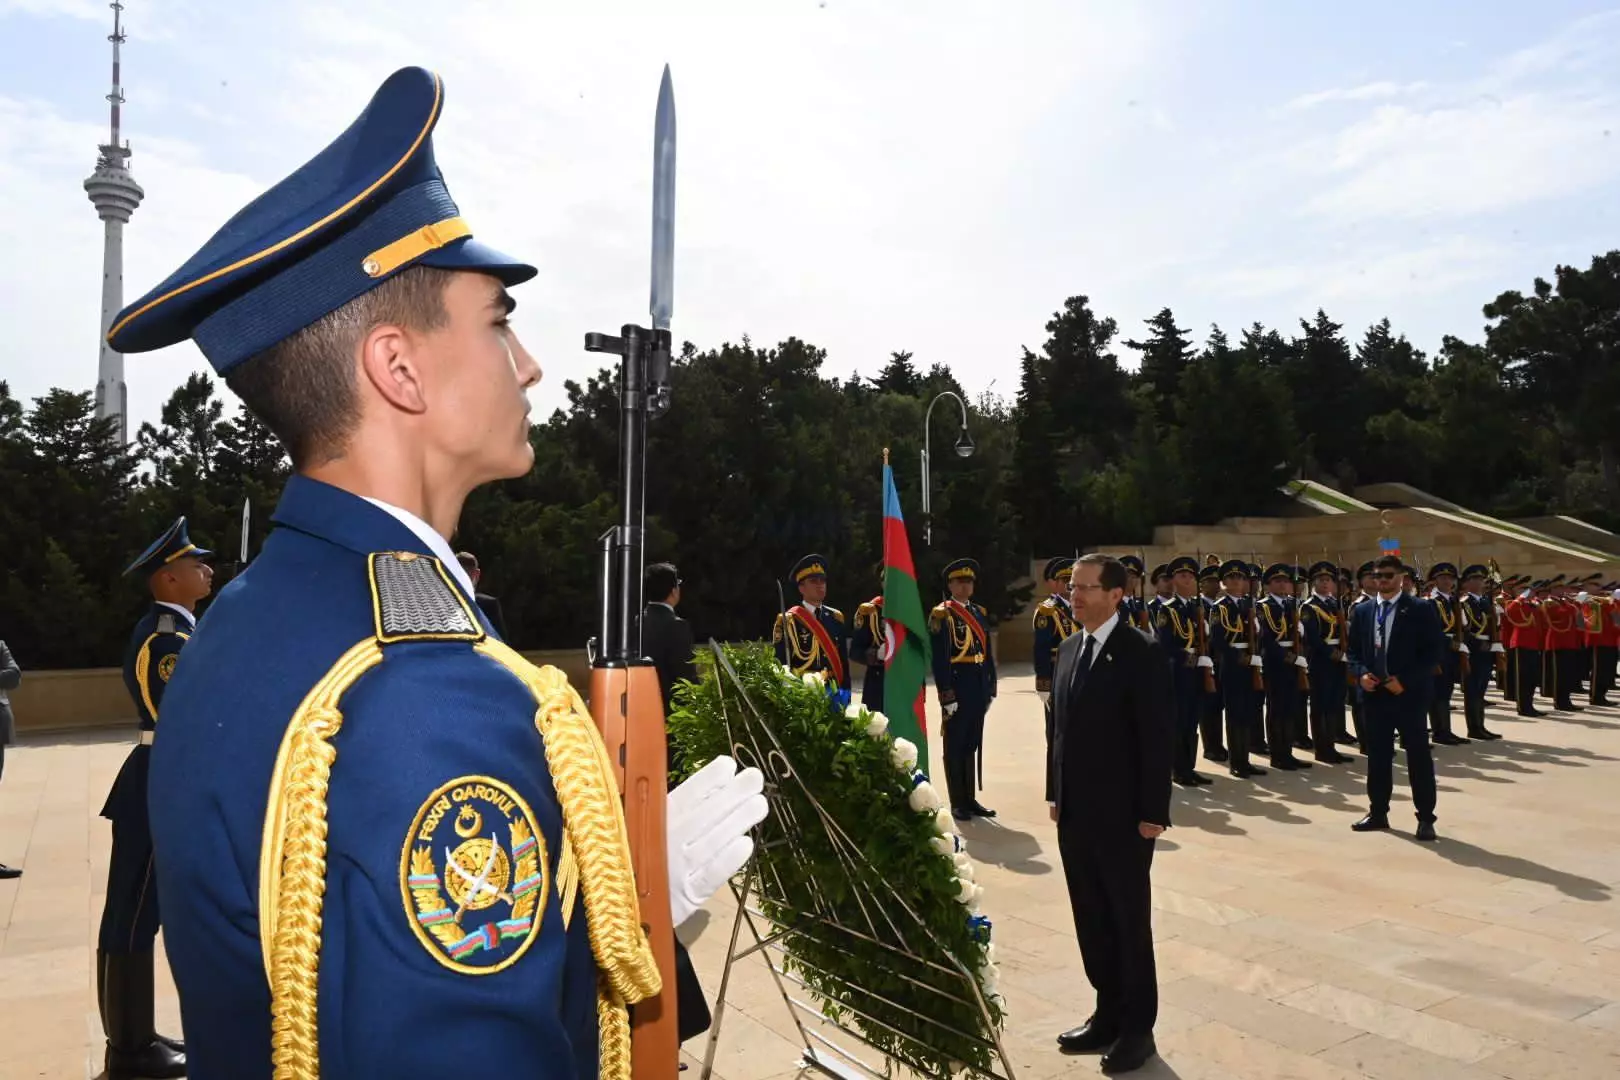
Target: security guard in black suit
{"points": [[965, 679], [866, 644], [177, 577], [816, 638]]}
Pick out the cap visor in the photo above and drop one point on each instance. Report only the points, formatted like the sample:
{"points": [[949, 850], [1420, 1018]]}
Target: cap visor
{"points": [[470, 254]]}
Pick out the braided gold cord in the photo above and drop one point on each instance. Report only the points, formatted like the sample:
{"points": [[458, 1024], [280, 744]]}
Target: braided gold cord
{"points": [[292, 872], [613, 1042], [589, 798]]}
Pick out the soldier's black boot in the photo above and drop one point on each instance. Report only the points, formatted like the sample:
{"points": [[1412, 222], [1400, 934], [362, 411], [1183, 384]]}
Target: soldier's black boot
{"points": [[134, 1049]]}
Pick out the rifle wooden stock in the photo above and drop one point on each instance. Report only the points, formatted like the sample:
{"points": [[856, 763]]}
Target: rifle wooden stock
{"points": [[629, 709], [1203, 644]]}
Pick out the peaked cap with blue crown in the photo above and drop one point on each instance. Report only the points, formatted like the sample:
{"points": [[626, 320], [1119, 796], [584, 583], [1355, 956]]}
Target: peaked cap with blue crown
{"points": [[368, 206], [175, 543]]}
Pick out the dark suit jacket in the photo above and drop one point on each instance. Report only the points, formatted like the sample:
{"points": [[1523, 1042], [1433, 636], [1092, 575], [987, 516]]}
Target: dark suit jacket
{"points": [[491, 608], [666, 639], [1108, 762], [1412, 651]]}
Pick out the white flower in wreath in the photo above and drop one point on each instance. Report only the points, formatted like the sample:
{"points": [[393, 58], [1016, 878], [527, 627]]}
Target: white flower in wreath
{"points": [[814, 678], [990, 953], [924, 799], [904, 754], [855, 711], [964, 890], [964, 866], [944, 824], [877, 725], [944, 845], [990, 979], [976, 894]]}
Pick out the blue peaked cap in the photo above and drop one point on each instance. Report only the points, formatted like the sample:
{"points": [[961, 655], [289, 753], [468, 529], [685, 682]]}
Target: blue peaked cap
{"points": [[173, 544], [369, 205]]}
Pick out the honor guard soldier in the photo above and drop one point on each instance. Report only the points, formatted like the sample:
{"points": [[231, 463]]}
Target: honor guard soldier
{"points": [[1527, 637], [177, 577], [1474, 609], [1442, 594], [379, 832], [1562, 656], [1321, 629], [1178, 625], [811, 635], [1211, 714], [965, 679], [1238, 665], [1054, 621], [1132, 607], [1282, 664], [1603, 639], [1163, 587], [867, 644]]}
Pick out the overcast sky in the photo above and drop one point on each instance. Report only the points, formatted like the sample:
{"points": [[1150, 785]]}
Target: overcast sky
{"points": [[869, 175]]}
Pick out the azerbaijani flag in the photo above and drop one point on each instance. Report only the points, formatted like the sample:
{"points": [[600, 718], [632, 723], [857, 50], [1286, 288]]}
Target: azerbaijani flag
{"points": [[906, 651]]}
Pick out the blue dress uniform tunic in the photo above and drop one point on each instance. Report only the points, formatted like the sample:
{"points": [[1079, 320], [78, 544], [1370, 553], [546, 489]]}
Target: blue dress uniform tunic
{"points": [[1279, 653], [867, 643], [813, 640], [387, 845], [454, 930], [1174, 624], [964, 676], [1231, 619], [1322, 629]]}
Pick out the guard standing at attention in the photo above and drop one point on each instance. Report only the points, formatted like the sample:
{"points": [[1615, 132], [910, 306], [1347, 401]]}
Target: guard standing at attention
{"points": [[387, 844], [811, 635], [1527, 638], [867, 644], [1281, 663], [1321, 629], [1474, 609], [1443, 585], [178, 578], [1133, 606], [1054, 621], [1238, 665], [1176, 625], [965, 679], [1211, 712]]}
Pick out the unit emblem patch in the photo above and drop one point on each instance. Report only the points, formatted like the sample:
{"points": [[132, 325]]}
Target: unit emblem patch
{"points": [[474, 874]]}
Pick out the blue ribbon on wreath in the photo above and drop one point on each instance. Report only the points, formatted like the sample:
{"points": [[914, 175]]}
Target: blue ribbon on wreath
{"points": [[979, 927]]}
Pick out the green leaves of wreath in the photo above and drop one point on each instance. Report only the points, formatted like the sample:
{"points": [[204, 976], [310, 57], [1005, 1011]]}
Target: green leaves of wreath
{"points": [[898, 986]]}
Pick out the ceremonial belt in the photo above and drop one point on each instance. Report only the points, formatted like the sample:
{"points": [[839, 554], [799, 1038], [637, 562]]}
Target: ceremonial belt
{"points": [[971, 619], [819, 632]]}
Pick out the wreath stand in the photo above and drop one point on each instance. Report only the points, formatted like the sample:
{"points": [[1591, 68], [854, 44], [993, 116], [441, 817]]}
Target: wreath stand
{"points": [[887, 923]]}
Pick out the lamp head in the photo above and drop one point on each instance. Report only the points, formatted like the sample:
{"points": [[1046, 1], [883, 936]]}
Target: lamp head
{"points": [[964, 444]]}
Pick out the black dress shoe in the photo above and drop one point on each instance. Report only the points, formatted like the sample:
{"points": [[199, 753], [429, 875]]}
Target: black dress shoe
{"points": [[1482, 734], [1089, 1038], [1243, 772], [1130, 1053], [1531, 712], [1346, 740], [1200, 778], [1333, 757], [1371, 823], [1218, 755], [9, 872], [1185, 781], [1448, 739], [960, 814], [1425, 831], [981, 810]]}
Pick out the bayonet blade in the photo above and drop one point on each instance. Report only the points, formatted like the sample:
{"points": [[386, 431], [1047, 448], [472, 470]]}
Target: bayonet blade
{"points": [[663, 217], [247, 517]]}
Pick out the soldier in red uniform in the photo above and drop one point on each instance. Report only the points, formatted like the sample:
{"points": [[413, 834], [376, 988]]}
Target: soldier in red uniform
{"points": [[1602, 641], [1526, 633], [1561, 656]]}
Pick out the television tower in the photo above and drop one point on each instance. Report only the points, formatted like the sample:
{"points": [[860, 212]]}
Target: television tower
{"points": [[115, 195]]}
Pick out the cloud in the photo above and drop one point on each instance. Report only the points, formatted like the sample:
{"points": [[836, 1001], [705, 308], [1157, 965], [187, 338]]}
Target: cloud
{"points": [[1373, 91]]}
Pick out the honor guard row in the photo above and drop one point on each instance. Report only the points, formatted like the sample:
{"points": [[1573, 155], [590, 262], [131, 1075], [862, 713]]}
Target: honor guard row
{"points": [[385, 843]]}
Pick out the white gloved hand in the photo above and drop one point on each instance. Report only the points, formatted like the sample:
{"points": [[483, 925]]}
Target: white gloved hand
{"points": [[1300, 661], [707, 820], [1583, 596], [947, 710], [1044, 695], [1205, 662], [1255, 661], [1496, 646], [1462, 646]]}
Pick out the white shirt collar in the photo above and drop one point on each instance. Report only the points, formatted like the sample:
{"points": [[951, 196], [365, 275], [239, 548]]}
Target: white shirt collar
{"points": [[1102, 634], [438, 545], [191, 620]]}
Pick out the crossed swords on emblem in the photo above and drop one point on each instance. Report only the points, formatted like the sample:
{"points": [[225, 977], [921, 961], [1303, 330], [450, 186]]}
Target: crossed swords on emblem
{"points": [[478, 885]]}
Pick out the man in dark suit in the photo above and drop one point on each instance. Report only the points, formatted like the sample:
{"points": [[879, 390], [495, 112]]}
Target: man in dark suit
{"points": [[489, 605], [1108, 785], [1394, 646], [666, 638]]}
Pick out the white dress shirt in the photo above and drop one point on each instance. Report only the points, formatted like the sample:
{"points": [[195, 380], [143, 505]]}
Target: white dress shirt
{"points": [[437, 544]]}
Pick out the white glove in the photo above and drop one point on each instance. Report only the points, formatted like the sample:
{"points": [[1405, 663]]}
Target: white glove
{"points": [[707, 821], [947, 710], [1583, 596], [1255, 661], [1206, 662], [1300, 661], [1496, 646], [1044, 695], [1462, 646]]}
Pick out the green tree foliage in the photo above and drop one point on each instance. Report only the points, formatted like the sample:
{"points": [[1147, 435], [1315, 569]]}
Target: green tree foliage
{"points": [[765, 458]]}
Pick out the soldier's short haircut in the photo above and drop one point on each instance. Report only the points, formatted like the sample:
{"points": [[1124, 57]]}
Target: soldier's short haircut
{"points": [[661, 580], [1110, 571], [305, 388]]}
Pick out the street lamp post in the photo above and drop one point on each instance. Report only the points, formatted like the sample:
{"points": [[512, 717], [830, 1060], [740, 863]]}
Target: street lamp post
{"points": [[964, 448]]}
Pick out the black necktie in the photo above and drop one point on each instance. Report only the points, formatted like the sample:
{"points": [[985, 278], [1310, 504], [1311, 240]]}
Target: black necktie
{"points": [[1086, 652]]}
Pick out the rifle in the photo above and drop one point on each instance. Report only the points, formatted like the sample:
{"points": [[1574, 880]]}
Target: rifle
{"points": [[624, 695], [1257, 674], [1203, 638], [1465, 664], [1303, 677]]}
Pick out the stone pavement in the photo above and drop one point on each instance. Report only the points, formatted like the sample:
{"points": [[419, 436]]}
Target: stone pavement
{"points": [[1288, 946]]}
